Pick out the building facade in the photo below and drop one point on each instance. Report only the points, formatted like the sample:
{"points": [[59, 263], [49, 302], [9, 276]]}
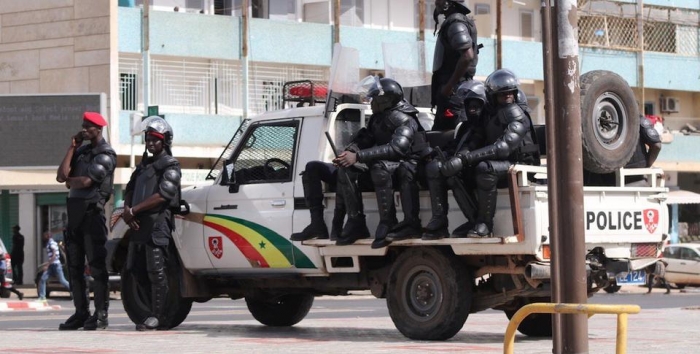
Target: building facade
{"points": [[204, 76]]}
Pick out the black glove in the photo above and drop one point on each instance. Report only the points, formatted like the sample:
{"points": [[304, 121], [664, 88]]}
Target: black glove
{"points": [[452, 166]]}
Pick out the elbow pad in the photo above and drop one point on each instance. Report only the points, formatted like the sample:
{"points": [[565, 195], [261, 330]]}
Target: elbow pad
{"points": [[170, 184]]}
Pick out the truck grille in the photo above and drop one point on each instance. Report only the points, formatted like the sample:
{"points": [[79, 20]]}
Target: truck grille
{"points": [[640, 250]]}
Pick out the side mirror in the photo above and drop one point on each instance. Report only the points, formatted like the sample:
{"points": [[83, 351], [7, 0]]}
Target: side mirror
{"points": [[228, 177]]}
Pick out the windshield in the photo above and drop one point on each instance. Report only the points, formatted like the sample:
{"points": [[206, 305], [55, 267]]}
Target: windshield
{"points": [[226, 154]]}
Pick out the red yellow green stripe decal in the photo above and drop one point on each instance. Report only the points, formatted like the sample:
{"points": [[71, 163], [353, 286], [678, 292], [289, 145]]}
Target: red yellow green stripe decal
{"points": [[262, 247]]}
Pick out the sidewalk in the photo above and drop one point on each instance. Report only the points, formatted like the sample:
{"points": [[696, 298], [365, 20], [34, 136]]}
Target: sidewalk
{"points": [[29, 303]]}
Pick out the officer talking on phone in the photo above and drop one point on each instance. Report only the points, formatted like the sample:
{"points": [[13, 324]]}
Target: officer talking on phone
{"points": [[88, 172]]}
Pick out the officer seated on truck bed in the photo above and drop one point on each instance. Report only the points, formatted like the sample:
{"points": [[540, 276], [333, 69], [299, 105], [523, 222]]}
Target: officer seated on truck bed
{"points": [[504, 136], [646, 152]]}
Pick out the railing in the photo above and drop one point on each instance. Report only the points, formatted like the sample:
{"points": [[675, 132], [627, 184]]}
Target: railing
{"points": [[620, 310]]}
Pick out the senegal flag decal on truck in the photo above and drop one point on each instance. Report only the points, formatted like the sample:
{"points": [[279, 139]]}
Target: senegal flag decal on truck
{"points": [[262, 247]]}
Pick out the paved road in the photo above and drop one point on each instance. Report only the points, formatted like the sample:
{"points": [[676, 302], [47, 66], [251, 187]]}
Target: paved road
{"points": [[667, 323]]}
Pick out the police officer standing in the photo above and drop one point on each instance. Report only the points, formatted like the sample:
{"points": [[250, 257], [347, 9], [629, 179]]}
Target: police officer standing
{"points": [[88, 172], [150, 196], [385, 145], [454, 60], [506, 137]]}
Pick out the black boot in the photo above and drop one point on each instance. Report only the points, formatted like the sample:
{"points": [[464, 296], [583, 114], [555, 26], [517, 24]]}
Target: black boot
{"points": [[76, 321], [337, 225], [462, 230], [380, 236], [487, 209], [317, 229], [437, 226], [97, 320], [355, 229], [405, 230], [150, 324]]}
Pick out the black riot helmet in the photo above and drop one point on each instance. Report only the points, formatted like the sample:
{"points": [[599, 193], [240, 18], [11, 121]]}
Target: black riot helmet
{"points": [[472, 90], [501, 81], [159, 127], [385, 94]]}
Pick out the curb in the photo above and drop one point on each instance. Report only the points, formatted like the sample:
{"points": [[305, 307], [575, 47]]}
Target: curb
{"points": [[27, 306]]}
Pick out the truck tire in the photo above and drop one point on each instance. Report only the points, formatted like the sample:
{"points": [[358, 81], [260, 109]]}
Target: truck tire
{"points": [[536, 324], [429, 294], [136, 297], [280, 311], [609, 121], [612, 288]]}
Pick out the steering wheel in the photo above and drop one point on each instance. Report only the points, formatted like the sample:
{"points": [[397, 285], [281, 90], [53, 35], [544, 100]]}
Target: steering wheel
{"points": [[272, 173]]}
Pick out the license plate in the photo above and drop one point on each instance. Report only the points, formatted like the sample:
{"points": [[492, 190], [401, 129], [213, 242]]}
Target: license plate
{"points": [[633, 277]]}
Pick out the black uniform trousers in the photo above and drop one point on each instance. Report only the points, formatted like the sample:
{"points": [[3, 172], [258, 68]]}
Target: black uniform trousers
{"points": [[88, 240]]}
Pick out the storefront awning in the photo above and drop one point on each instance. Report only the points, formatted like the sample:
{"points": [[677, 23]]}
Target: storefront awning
{"points": [[683, 197]]}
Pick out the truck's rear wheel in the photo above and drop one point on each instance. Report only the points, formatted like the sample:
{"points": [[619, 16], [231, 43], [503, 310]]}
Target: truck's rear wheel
{"points": [[609, 121], [429, 294], [280, 311], [536, 324], [136, 296]]}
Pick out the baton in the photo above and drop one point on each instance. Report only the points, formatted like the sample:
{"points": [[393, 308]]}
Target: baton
{"points": [[351, 185]]}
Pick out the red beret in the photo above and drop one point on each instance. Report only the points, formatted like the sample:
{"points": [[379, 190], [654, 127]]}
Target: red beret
{"points": [[95, 118]]}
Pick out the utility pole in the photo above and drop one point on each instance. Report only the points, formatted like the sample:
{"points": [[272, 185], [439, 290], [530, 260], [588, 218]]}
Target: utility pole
{"points": [[336, 21], [499, 36], [244, 56], [146, 79], [421, 20], [567, 184]]}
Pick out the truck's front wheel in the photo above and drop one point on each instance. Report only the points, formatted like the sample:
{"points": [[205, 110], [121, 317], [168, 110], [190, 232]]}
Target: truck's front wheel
{"points": [[136, 295], [429, 294], [536, 324], [280, 311]]}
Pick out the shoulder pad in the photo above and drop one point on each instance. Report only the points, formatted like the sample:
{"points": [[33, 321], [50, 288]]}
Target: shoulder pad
{"points": [[458, 36], [649, 135], [105, 160], [511, 113], [398, 118], [645, 122], [165, 161]]}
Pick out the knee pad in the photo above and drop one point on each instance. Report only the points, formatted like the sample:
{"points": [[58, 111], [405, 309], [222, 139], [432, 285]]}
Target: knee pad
{"points": [[485, 176]]}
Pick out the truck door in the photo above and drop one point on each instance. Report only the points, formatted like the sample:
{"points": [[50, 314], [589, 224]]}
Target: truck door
{"points": [[249, 212]]}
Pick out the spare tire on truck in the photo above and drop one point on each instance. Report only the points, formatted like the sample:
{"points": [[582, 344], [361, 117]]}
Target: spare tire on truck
{"points": [[609, 121]]}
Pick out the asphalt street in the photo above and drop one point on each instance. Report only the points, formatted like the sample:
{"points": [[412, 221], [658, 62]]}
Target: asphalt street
{"points": [[667, 323]]}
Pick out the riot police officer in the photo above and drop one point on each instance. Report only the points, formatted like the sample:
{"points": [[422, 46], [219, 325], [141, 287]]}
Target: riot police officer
{"points": [[473, 95], [88, 172], [385, 145], [151, 195], [507, 138], [454, 60]]}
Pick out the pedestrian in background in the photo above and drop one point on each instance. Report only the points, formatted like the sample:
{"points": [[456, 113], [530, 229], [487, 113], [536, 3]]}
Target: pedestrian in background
{"points": [[88, 172], [3, 284], [53, 265], [17, 255], [657, 271]]}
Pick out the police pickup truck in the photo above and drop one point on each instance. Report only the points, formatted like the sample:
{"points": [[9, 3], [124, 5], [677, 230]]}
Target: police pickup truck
{"points": [[234, 239]]}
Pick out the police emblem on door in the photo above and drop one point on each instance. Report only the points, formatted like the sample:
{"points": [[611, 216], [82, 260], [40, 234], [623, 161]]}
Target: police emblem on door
{"points": [[216, 246], [651, 219]]}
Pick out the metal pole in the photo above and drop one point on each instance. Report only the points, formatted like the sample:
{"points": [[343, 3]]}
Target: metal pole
{"points": [[569, 174], [336, 21], [499, 45], [552, 180], [421, 20], [145, 51], [640, 54], [244, 55]]}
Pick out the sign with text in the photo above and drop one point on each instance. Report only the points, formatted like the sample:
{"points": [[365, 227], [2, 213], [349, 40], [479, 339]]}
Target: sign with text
{"points": [[36, 130]]}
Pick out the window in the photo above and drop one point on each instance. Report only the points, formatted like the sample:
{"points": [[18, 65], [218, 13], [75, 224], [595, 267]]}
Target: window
{"points": [[128, 87], [688, 254], [267, 154], [283, 10], [317, 12], [352, 12], [527, 23], [482, 9]]}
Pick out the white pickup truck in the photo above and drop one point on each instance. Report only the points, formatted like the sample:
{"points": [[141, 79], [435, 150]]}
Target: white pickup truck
{"points": [[234, 239]]}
